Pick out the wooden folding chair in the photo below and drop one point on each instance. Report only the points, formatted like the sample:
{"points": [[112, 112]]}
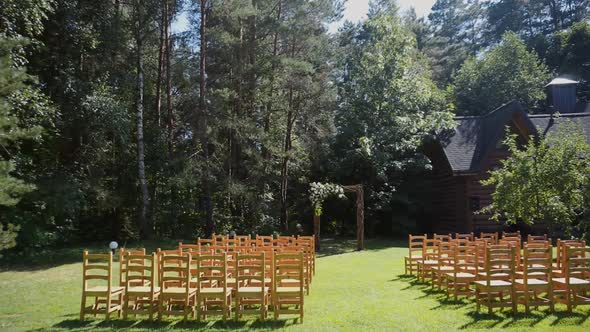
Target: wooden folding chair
{"points": [[498, 279], [415, 245], [97, 269], [311, 244], [535, 277], [492, 236], [429, 259], [465, 269], [573, 289], [444, 263], [288, 284], [250, 272], [175, 286], [465, 236], [214, 296], [141, 289]]}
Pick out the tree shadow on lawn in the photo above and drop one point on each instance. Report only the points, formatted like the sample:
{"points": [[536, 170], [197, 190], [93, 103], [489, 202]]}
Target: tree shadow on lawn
{"points": [[339, 246], [75, 324], [45, 258], [500, 319]]}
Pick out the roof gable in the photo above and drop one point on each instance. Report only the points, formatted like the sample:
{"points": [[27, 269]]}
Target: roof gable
{"points": [[475, 137]]}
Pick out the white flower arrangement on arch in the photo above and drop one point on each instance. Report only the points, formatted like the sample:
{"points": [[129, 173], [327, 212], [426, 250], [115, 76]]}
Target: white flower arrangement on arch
{"points": [[318, 192]]}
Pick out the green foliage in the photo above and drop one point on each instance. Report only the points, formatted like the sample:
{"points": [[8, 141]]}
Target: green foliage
{"points": [[569, 53], [388, 106], [507, 72], [545, 180]]}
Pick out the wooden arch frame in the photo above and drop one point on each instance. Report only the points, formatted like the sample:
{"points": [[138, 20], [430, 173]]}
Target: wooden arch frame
{"points": [[360, 217]]}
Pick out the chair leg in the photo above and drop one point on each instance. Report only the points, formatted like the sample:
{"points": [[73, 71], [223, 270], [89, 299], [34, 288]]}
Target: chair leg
{"points": [[125, 306], [489, 302], [83, 307], [514, 301], [160, 307], [108, 309]]}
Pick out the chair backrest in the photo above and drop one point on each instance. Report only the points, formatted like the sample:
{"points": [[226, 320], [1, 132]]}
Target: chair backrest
{"points": [[446, 253], [175, 270], [464, 236], [534, 238], [243, 240], [561, 245], [492, 236], [97, 267], [205, 242], [141, 271], [430, 249], [264, 240], [250, 267], [123, 254], [288, 266], [461, 242], [212, 271], [537, 262], [415, 245], [192, 248], [515, 242], [171, 252], [285, 240], [577, 262], [443, 237], [220, 239], [511, 234], [500, 259], [465, 259]]}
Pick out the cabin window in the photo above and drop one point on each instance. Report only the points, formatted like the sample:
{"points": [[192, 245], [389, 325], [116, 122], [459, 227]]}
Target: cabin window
{"points": [[474, 203]]}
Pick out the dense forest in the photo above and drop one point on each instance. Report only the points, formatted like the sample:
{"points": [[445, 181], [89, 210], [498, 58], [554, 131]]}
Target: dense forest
{"points": [[114, 127]]}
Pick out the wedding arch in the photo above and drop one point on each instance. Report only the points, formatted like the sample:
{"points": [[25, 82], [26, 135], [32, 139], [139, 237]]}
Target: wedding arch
{"points": [[318, 194]]}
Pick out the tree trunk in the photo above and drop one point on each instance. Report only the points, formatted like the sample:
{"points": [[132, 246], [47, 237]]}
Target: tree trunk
{"points": [[144, 224], [160, 65], [287, 150], [207, 204], [360, 218], [285, 165], [168, 42], [316, 231], [269, 105]]}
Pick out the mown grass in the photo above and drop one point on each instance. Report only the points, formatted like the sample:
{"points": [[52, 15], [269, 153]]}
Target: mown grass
{"points": [[351, 291]]}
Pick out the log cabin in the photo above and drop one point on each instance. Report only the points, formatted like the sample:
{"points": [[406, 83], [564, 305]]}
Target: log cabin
{"points": [[464, 157]]}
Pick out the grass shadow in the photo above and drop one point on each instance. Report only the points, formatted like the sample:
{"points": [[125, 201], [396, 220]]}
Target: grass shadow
{"points": [[339, 246], [42, 259], [77, 325]]}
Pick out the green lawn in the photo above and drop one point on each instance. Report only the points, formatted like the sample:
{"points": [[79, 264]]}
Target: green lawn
{"points": [[351, 291]]}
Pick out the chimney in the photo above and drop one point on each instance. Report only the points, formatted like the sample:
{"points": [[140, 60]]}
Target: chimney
{"points": [[561, 95]]}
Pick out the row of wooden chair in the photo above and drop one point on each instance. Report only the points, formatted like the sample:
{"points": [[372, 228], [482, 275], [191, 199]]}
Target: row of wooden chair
{"points": [[503, 274], [210, 277]]}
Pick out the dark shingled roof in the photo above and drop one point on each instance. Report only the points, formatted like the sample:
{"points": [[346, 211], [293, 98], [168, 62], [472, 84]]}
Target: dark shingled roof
{"points": [[546, 123], [475, 136]]}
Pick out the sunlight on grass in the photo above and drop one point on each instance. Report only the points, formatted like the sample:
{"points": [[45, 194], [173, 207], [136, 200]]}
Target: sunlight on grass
{"points": [[351, 291]]}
